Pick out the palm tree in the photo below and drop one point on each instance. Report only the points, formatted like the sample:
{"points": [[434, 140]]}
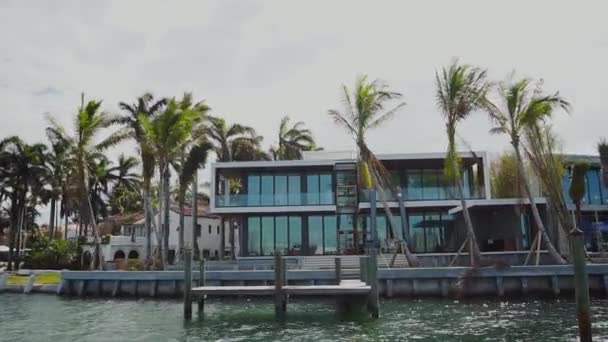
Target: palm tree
{"points": [[292, 141], [56, 164], [90, 121], [23, 172], [234, 142], [364, 110], [522, 107], [165, 136], [192, 158], [126, 186], [144, 106], [461, 90]]}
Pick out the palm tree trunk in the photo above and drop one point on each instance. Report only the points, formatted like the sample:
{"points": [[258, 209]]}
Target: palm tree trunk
{"points": [[147, 226], [19, 236], [195, 215], [65, 232], [12, 234], [167, 227], [473, 246], [52, 220], [157, 234], [181, 223], [159, 226], [537, 219], [97, 259]]}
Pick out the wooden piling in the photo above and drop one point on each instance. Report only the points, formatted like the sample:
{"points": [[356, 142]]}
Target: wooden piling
{"points": [[363, 269], [201, 282], [187, 283], [373, 302], [30, 284], [581, 285], [280, 304], [338, 263]]}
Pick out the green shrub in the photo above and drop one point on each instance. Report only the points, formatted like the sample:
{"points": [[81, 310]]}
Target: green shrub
{"points": [[52, 254]]}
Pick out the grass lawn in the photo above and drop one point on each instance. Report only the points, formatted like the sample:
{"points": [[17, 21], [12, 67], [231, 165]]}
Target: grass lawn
{"points": [[43, 278]]}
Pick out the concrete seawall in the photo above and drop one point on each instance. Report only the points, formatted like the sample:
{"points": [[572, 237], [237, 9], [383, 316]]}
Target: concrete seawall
{"points": [[408, 282]]}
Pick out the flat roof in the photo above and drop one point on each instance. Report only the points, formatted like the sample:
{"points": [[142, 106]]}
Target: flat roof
{"points": [[331, 162]]}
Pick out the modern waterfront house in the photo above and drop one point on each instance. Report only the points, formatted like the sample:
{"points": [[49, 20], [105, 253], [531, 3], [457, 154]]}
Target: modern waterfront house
{"points": [[313, 206]]}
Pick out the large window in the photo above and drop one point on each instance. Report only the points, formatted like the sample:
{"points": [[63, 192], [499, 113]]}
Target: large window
{"points": [[315, 234], [295, 235], [267, 190], [593, 186], [295, 190], [253, 236], [312, 189], [430, 231], [267, 235], [414, 185], [280, 190], [284, 190], [253, 190]]}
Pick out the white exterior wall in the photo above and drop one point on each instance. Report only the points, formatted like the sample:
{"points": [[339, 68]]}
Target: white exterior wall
{"points": [[207, 241]]}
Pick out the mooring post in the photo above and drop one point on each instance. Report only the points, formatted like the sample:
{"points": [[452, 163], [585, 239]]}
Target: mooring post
{"points": [[3, 281], [581, 285], [338, 263], [363, 269], [201, 282], [187, 283], [373, 302], [280, 306]]}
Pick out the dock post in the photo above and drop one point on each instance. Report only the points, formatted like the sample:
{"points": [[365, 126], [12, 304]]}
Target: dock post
{"points": [[581, 285], [30, 284], [373, 301], [363, 269], [280, 304], [338, 263], [187, 283], [3, 281], [201, 282]]}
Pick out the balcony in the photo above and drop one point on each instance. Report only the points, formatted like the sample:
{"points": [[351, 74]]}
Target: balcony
{"points": [[425, 195], [274, 200]]}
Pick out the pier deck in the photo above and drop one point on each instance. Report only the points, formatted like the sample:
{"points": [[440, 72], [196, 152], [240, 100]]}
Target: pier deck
{"points": [[346, 288]]}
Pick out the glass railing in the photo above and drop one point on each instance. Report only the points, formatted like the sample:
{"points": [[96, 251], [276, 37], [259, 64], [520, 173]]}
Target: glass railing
{"points": [[424, 195], [274, 200]]}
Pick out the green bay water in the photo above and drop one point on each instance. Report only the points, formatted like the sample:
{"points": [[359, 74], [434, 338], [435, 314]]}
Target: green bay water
{"points": [[53, 319]]}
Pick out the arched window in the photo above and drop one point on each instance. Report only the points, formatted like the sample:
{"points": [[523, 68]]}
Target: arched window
{"points": [[119, 255], [133, 254]]}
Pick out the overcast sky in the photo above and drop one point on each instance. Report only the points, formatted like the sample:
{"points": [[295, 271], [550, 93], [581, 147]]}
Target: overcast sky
{"points": [[256, 61]]}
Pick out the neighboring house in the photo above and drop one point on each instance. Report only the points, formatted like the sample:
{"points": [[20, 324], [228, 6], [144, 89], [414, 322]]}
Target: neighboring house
{"points": [[132, 239], [313, 206]]}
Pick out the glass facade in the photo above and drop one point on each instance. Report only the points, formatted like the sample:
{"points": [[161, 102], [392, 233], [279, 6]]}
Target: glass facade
{"points": [[430, 231], [596, 192], [282, 190], [267, 234], [431, 184]]}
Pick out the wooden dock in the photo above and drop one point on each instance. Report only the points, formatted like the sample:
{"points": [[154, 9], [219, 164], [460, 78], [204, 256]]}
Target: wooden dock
{"points": [[349, 293]]}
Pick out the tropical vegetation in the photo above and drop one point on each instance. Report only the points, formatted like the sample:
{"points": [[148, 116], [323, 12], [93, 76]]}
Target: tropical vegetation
{"points": [[78, 176]]}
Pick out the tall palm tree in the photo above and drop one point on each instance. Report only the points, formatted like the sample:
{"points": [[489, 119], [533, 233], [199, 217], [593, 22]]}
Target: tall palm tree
{"points": [[461, 89], [191, 159], [292, 141], [89, 122], [365, 110], [125, 194], [234, 142], [23, 172], [522, 106], [57, 177], [165, 135], [147, 107]]}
